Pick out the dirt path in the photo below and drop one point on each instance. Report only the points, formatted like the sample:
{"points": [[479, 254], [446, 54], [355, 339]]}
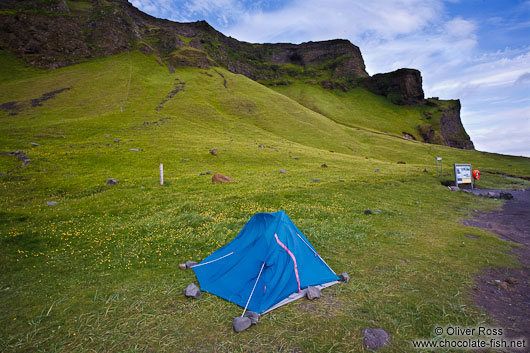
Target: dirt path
{"points": [[505, 293]]}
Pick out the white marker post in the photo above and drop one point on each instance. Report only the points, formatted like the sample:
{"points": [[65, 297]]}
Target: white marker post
{"points": [[161, 174], [439, 159]]}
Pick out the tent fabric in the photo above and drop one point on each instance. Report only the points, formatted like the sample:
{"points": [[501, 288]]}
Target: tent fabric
{"points": [[272, 241]]}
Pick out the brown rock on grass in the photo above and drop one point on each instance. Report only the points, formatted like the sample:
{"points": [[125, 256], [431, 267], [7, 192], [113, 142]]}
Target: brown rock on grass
{"points": [[220, 178]]}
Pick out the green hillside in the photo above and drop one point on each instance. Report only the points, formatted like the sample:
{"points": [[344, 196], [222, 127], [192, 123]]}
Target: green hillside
{"points": [[98, 271], [360, 108]]}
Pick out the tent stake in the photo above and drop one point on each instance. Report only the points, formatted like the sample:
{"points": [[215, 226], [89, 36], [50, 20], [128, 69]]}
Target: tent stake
{"points": [[251, 293]]}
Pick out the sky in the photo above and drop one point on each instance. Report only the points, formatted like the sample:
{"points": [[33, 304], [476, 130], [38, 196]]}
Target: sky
{"points": [[477, 51]]}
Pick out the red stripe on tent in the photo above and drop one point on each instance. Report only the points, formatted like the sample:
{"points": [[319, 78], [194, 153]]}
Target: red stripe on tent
{"points": [[292, 257]]}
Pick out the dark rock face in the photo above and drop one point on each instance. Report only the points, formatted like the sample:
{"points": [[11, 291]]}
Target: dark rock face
{"points": [[403, 86], [452, 130]]}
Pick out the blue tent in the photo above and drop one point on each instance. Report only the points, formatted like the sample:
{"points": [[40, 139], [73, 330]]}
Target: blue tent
{"points": [[268, 264]]}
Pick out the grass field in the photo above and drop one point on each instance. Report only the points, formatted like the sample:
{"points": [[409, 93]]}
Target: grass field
{"points": [[98, 271]]}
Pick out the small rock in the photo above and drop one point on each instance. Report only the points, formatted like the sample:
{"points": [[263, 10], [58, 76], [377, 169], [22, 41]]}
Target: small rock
{"points": [[202, 174], [253, 316], [425, 171], [34, 144], [142, 187], [453, 188], [401, 162], [68, 175], [260, 146], [374, 338], [116, 140], [51, 203], [283, 171], [190, 264], [111, 181], [503, 285], [182, 266], [313, 293], [492, 195], [192, 291], [324, 165], [417, 202], [220, 178], [297, 158], [208, 172], [276, 151], [134, 149], [506, 196], [107, 136], [472, 236], [214, 152], [512, 280], [315, 180], [241, 323], [184, 160], [344, 277], [377, 170], [368, 212]]}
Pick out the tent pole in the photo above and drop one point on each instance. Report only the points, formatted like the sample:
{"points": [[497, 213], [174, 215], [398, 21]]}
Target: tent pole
{"points": [[317, 254], [251, 293]]}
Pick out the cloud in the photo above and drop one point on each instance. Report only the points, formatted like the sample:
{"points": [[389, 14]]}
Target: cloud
{"points": [[524, 78]]}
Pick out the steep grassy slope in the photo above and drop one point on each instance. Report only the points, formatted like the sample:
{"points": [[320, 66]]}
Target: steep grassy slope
{"points": [[360, 108], [99, 270]]}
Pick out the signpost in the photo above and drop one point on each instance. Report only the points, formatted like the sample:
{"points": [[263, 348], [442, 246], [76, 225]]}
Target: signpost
{"points": [[463, 174], [439, 159]]}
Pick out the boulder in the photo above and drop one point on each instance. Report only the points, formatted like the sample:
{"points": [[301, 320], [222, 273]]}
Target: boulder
{"points": [[374, 338], [313, 293], [220, 178], [253, 316], [111, 181], [192, 291], [506, 196], [344, 277], [241, 323]]}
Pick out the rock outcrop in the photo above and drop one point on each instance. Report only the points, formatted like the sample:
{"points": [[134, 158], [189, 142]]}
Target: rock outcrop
{"points": [[403, 86], [452, 129]]}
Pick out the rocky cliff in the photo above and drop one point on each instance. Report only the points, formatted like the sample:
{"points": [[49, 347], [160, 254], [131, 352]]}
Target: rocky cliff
{"points": [[55, 33]]}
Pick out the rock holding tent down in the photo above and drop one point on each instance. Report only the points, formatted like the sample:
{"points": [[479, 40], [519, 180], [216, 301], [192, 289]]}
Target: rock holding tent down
{"points": [[344, 277], [241, 323], [253, 316], [192, 291], [313, 293], [190, 264], [182, 266], [374, 338]]}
